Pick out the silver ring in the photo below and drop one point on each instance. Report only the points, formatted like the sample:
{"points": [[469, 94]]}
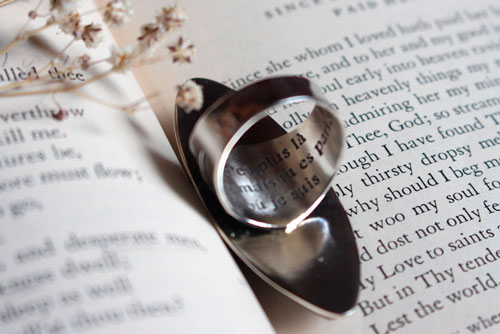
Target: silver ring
{"points": [[274, 183]]}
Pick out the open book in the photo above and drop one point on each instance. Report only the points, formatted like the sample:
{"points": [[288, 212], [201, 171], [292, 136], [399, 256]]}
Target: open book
{"points": [[99, 230], [119, 244]]}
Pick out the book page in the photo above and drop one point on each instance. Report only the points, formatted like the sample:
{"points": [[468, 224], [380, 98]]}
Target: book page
{"points": [[416, 85], [100, 231]]}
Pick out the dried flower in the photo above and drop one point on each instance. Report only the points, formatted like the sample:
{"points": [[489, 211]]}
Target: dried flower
{"points": [[63, 6], [189, 96], [121, 58], [70, 23], [118, 13], [182, 51], [171, 17], [150, 35], [60, 115], [84, 61], [51, 20], [91, 35]]}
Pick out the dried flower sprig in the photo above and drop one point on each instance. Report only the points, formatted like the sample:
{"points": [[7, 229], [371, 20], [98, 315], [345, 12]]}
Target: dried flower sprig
{"points": [[116, 13], [182, 51], [63, 6], [171, 18]]}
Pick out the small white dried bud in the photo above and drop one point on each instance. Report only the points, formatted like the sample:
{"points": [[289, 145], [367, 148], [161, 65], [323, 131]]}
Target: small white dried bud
{"points": [[182, 51], [189, 96], [51, 20], [63, 6], [70, 23], [171, 17], [118, 13], [84, 61], [121, 58], [91, 35]]}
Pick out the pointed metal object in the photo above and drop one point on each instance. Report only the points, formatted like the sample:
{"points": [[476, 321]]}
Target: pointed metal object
{"points": [[316, 264]]}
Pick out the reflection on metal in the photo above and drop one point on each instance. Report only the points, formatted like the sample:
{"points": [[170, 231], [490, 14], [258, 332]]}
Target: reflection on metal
{"points": [[315, 263], [270, 183]]}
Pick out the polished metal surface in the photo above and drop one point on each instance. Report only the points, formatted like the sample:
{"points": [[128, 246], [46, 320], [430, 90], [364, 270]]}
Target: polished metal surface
{"points": [[273, 183], [316, 263]]}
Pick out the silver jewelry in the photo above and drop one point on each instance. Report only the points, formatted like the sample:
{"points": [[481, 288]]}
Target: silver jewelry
{"points": [[305, 249], [276, 183]]}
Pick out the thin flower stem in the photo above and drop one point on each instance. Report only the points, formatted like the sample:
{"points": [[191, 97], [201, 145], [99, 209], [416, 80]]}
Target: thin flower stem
{"points": [[23, 37], [129, 107], [18, 84], [5, 2], [92, 11], [148, 61], [20, 33], [46, 66], [97, 100], [38, 5], [133, 106], [44, 15], [67, 88], [95, 62], [44, 82], [36, 31], [8, 46], [55, 101], [65, 48], [45, 78], [59, 54]]}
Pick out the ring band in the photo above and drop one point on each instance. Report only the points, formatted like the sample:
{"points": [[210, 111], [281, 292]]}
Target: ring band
{"points": [[274, 183]]}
